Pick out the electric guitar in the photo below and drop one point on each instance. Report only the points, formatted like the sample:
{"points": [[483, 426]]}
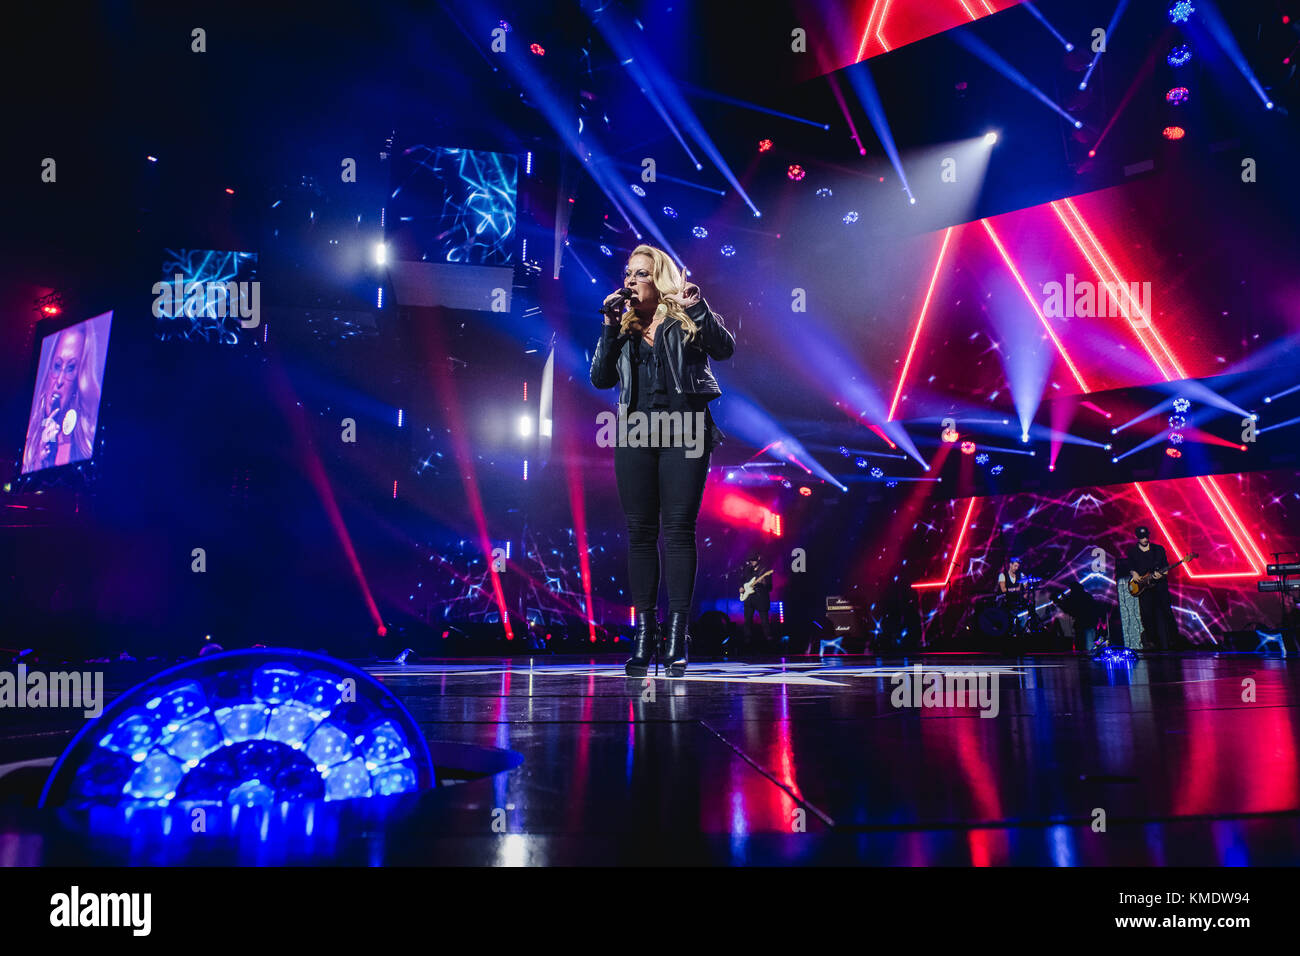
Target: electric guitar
{"points": [[1138, 585], [749, 585]]}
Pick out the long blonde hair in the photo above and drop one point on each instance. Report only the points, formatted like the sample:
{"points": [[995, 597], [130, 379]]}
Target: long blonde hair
{"points": [[668, 280]]}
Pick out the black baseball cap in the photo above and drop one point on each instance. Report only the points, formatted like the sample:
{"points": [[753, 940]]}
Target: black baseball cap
{"points": [[1143, 531]]}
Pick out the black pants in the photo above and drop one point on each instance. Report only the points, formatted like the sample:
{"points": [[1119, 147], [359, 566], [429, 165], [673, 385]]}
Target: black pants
{"points": [[758, 603], [1157, 618], [655, 483]]}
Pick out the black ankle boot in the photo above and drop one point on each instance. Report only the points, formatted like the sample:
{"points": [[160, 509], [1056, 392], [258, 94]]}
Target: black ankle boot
{"points": [[645, 645], [675, 653]]}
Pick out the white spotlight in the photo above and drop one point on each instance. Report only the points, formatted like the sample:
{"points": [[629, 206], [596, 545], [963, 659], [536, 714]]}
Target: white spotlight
{"points": [[381, 254], [525, 426], [990, 137]]}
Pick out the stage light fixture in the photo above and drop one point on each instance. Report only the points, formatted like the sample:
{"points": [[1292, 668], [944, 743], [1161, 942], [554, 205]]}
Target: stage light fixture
{"points": [[1181, 11], [1181, 405], [1178, 95], [805, 490], [728, 251], [996, 470], [764, 145], [670, 212], [1173, 453], [50, 305], [861, 463], [253, 728], [824, 193], [796, 172], [843, 451], [968, 448], [538, 49], [525, 426], [638, 190], [381, 254], [990, 137], [785, 483], [1092, 153], [877, 473], [1180, 55], [699, 232], [606, 250], [1174, 132], [850, 217], [982, 458], [1177, 422]]}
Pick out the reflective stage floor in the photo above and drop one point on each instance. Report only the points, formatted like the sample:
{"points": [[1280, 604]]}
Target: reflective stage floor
{"points": [[1172, 760]]}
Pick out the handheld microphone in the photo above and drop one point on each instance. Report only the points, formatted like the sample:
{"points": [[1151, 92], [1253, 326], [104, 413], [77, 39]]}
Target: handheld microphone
{"points": [[625, 292]]}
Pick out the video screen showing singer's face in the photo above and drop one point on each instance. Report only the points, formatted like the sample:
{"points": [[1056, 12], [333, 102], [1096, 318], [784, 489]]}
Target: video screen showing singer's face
{"points": [[65, 404]]}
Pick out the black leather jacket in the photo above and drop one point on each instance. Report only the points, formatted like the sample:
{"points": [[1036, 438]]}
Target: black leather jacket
{"points": [[688, 362]]}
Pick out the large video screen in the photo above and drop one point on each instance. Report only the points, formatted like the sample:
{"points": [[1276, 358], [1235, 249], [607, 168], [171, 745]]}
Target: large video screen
{"points": [[453, 205], [65, 403], [208, 295]]}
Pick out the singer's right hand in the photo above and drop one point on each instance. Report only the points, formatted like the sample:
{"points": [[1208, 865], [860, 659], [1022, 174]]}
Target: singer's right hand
{"points": [[612, 307], [49, 435]]}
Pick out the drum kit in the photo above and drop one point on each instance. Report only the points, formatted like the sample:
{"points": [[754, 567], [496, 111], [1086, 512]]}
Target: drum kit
{"points": [[1010, 614]]}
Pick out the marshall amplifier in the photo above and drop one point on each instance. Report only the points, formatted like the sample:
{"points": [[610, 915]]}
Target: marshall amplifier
{"points": [[846, 623]]}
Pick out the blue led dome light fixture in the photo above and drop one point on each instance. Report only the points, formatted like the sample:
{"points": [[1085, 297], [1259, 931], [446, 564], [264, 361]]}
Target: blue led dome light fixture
{"points": [[251, 728]]}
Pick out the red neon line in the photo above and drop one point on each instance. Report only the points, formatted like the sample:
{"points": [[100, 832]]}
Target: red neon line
{"points": [[1179, 551], [1087, 231], [866, 33], [916, 333], [881, 25], [988, 227], [1098, 271], [1227, 514], [1208, 480], [961, 537]]}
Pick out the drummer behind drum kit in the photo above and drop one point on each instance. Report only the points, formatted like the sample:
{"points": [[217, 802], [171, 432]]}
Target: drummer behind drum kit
{"points": [[1013, 614]]}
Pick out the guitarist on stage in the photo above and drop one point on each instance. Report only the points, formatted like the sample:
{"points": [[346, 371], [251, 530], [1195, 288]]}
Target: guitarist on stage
{"points": [[1146, 558], [758, 580]]}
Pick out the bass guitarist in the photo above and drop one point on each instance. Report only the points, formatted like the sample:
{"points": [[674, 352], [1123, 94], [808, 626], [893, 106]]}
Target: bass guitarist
{"points": [[1147, 559]]}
